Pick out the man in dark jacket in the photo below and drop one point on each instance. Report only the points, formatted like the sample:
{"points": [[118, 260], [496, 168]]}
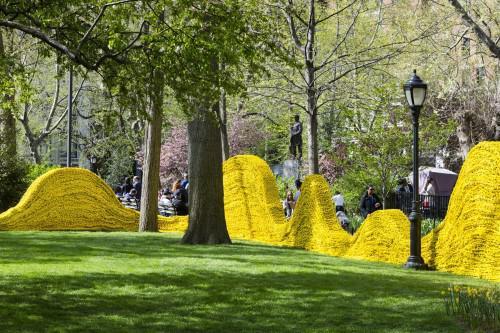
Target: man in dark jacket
{"points": [[370, 202]]}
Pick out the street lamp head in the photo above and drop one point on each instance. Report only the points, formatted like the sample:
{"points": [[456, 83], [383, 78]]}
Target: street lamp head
{"points": [[415, 90]]}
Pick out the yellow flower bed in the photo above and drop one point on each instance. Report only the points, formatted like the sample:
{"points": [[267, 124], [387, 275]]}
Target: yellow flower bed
{"points": [[314, 225], [383, 236], [75, 199], [468, 240]]}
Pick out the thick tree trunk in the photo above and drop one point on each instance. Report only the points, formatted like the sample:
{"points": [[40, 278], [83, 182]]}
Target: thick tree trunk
{"points": [[207, 223], [223, 125], [151, 169]]}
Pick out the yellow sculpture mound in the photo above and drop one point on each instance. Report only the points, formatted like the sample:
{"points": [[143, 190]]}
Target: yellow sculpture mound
{"points": [[468, 240], [314, 225], [251, 201], [383, 236], [75, 199]]}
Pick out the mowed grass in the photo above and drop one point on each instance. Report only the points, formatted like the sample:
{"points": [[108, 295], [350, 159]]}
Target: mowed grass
{"points": [[144, 282]]}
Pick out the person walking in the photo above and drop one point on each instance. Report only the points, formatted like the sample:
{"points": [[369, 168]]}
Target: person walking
{"points": [[338, 200]]}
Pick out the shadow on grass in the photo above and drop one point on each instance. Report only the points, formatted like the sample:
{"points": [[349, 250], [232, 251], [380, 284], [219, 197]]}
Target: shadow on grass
{"points": [[240, 288]]}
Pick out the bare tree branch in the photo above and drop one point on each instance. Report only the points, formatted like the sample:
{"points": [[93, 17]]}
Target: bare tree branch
{"points": [[261, 114], [336, 13], [291, 25], [483, 37]]}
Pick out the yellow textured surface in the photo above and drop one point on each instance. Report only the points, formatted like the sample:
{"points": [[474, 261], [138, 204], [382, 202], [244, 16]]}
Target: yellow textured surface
{"points": [[468, 240], [314, 225], [383, 236], [251, 202], [75, 199]]}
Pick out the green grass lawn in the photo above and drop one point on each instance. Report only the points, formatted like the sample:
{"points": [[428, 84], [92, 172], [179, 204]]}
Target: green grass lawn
{"points": [[131, 282]]}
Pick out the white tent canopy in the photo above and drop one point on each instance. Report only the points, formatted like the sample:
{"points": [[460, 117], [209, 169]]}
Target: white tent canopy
{"points": [[443, 179]]}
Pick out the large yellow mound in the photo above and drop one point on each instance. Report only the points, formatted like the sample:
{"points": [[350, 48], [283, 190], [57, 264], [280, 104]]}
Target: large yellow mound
{"points": [[75, 199], [468, 240], [383, 236], [314, 225], [251, 200]]}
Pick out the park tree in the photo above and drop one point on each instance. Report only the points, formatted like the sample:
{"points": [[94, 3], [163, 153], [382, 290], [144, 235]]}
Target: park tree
{"points": [[8, 72], [332, 42], [162, 44]]}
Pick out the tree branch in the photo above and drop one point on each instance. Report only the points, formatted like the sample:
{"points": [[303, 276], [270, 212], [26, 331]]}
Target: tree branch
{"points": [[483, 37], [336, 13], [98, 18], [265, 116], [291, 25]]}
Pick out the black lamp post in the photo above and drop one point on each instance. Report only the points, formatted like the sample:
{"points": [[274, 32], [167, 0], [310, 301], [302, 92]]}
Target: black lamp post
{"points": [[415, 91]]}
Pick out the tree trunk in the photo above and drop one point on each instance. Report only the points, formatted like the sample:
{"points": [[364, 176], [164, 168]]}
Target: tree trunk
{"points": [[207, 223], [151, 168], [7, 119], [312, 145], [223, 125], [464, 135]]}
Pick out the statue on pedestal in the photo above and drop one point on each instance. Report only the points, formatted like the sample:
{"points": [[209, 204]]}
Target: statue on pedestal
{"points": [[296, 138]]}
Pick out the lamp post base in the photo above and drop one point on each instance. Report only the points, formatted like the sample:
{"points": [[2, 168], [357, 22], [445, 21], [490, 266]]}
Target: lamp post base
{"points": [[416, 263]]}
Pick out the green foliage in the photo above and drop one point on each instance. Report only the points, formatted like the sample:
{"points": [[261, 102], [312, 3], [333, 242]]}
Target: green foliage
{"points": [[355, 221], [13, 181], [284, 185], [36, 170], [479, 308], [119, 163], [427, 225]]}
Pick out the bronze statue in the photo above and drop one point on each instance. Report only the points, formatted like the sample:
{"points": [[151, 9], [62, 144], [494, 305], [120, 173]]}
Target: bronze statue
{"points": [[296, 138]]}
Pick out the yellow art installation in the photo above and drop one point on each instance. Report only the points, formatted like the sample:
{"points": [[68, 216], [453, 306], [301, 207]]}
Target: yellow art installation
{"points": [[75, 199], [467, 242], [383, 236]]}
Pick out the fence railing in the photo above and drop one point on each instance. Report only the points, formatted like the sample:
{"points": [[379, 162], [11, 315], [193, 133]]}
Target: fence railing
{"points": [[432, 206]]}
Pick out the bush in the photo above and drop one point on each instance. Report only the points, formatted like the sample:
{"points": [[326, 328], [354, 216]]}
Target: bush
{"points": [[477, 307], [428, 225], [356, 221], [36, 170], [13, 182]]}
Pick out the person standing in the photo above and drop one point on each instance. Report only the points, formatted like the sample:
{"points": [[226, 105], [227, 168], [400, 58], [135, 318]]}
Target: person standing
{"points": [[338, 200], [296, 138], [137, 185], [185, 181], [370, 202], [298, 185]]}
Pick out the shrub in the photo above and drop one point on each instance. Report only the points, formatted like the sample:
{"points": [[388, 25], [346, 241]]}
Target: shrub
{"points": [[13, 181], [428, 225], [477, 307], [36, 170]]}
